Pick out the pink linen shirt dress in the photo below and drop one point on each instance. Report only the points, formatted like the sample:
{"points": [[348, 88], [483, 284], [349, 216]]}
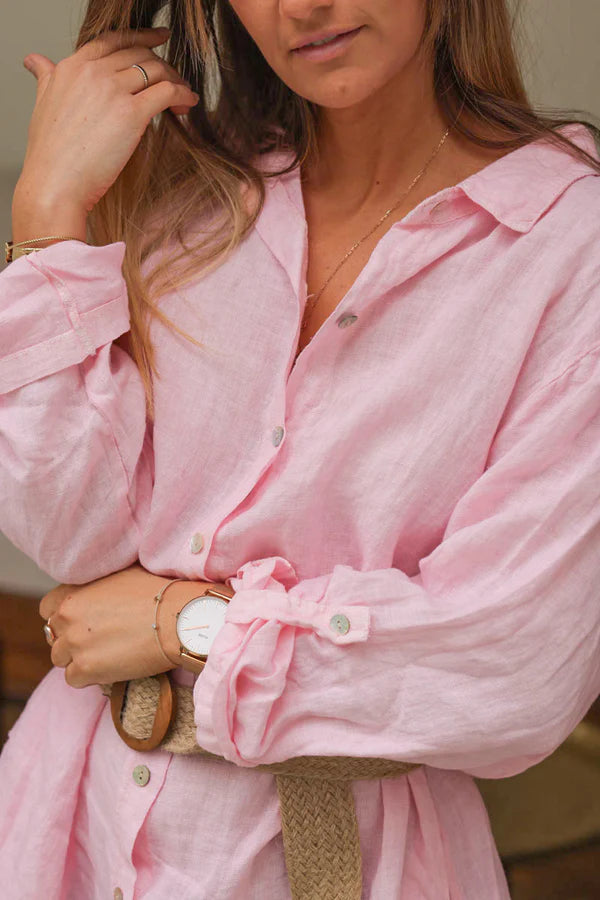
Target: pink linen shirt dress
{"points": [[428, 468]]}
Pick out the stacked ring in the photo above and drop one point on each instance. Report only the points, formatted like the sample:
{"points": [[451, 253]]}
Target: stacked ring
{"points": [[143, 71], [50, 636]]}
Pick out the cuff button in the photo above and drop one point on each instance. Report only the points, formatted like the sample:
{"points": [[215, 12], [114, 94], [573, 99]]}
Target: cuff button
{"points": [[339, 623]]}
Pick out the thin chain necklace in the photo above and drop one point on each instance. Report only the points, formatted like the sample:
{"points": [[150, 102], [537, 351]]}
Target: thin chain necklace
{"points": [[315, 297]]}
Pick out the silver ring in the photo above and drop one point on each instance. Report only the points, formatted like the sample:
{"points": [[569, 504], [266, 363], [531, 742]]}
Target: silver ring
{"points": [[50, 636], [143, 71]]}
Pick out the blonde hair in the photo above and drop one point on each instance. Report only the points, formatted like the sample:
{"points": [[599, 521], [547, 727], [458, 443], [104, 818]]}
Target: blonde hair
{"points": [[206, 161]]}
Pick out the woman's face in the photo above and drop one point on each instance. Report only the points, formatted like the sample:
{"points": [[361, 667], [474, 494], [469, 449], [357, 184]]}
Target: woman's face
{"points": [[384, 37]]}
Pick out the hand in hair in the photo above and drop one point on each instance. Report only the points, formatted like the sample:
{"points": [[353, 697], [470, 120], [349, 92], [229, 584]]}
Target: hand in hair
{"points": [[90, 113]]}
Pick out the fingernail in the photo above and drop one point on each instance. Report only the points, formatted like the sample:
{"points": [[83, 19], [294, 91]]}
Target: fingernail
{"points": [[26, 63]]}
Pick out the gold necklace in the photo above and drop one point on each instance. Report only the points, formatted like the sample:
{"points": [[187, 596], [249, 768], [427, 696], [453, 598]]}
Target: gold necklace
{"points": [[315, 297]]}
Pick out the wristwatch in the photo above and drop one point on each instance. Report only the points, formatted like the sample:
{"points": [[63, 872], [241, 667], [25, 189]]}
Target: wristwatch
{"points": [[198, 623]]}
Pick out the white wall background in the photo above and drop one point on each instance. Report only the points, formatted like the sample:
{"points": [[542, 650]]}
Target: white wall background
{"points": [[557, 42]]}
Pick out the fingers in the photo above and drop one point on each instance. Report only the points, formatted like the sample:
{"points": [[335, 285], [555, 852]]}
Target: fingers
{"points": [[52, 600], [61, 656], [165, 94], [41, 68], [38, 64], [123, 60], [78, 677], [109, 41], [132, 80], [105, 44], [59, 653], [118, 51]]}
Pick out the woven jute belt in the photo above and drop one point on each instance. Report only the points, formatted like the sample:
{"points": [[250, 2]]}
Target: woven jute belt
{"points": [[318, 819]]}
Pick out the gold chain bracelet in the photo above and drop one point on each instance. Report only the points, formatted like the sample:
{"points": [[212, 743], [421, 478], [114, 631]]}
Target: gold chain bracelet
{"points": [[158, 597], [11, 252]]}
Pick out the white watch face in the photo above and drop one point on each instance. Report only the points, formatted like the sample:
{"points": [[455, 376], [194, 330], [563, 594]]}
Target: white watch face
{"points": [[199, 622]]}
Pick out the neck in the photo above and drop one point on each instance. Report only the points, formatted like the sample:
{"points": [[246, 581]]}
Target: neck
{"points": [[380, 144]]}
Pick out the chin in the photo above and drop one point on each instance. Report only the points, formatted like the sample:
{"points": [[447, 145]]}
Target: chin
{"points": [[339, 93]]}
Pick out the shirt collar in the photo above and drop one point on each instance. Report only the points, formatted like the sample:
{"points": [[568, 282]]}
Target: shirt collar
{"points": [[518, 188]]}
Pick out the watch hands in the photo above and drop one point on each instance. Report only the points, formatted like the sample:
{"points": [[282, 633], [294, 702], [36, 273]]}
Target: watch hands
{"points": [[193, 627]]}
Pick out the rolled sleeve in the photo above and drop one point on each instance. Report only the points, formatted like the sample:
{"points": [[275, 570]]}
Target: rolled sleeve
{"points": [[57, 307], [484, 661]]}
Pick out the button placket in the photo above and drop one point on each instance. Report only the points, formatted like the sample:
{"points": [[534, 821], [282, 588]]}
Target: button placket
{"points": [[131, 808]]}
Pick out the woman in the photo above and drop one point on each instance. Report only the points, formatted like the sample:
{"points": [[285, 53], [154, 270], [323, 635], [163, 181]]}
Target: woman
{"points": [[400, 438]]}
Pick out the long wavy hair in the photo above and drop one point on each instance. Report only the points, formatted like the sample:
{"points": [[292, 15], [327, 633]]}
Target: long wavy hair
{"points": [[207, 161]]}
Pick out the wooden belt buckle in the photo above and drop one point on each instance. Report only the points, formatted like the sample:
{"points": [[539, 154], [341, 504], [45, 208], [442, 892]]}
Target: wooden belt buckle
{"points": [[165, 713]]}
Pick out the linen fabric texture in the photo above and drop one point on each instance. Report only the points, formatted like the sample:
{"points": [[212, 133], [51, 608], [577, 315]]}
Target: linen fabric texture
{"points": [[431, 472]]}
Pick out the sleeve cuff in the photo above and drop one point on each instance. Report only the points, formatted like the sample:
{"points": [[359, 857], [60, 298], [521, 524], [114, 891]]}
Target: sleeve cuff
{"points": [[57, 306], [247, 666], [269, 590], [326, 621]]}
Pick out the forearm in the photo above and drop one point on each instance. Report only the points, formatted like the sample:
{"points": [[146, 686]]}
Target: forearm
{"points": [[104, 628]]}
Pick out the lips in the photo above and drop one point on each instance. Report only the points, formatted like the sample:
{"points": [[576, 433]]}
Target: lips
{"points": [[324, 36]]}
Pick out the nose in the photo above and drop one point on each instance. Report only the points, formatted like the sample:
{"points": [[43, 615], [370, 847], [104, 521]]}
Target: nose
{"points": [[304, 9]]}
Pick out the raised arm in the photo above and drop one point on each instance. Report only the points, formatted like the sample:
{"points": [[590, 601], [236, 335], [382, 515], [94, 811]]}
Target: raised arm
{"points": [[75, 460]]}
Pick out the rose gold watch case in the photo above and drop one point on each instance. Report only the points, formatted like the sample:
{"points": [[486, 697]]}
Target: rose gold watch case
{"points": [[199, 659]]}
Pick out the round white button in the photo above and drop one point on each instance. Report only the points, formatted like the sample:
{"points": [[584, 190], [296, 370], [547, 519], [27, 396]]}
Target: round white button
{"points": [[118, 894], [141, 775], [196, 543], [277, 436], [340, 623], [346, 320]]}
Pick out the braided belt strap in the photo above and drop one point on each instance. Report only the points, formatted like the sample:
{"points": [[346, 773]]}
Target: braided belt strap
{"points": [[318, 818]]}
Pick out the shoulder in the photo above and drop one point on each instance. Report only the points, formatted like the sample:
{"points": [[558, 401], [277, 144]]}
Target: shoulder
{"points": [[572, 185], [580, 202], [568, 233], [564, 261]]}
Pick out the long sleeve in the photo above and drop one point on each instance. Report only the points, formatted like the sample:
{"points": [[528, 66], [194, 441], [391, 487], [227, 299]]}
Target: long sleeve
{"points": [[75, 451], [484, 661]]}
